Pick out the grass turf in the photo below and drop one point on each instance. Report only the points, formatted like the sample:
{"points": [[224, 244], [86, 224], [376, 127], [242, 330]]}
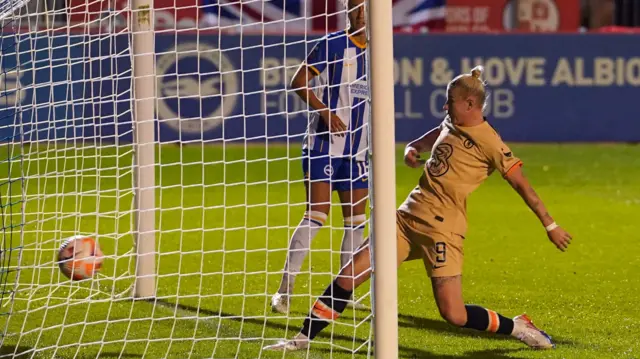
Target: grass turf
{"points": [[225, 219]]}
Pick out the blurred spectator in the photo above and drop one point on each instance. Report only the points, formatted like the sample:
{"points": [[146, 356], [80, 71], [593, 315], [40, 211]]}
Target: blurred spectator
{"points": [[627, 13], [597, 13], [605, 13]]}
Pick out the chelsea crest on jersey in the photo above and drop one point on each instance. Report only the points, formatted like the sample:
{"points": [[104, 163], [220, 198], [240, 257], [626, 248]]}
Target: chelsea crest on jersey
{"points": [[339, 62]]}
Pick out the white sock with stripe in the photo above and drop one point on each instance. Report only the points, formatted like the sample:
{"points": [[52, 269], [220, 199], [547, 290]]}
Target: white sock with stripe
{"points": [[352, 238], [299, 248]]}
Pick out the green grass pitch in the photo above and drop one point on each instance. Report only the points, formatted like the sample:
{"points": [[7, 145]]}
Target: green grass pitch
{"points": [[224, 227]]}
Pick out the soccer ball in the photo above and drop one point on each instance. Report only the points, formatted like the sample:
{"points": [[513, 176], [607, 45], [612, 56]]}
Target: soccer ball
{"points": [[80, 257]]}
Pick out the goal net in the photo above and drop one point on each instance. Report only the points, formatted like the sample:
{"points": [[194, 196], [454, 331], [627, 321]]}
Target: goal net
{"points": [[210, 134]]}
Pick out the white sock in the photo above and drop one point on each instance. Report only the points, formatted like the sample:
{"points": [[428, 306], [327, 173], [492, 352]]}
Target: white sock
{"points": [[353, 237], [518, 328], [299, 247]]}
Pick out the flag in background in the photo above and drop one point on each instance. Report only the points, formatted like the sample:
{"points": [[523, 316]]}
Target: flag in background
{"points": [[294, 12], [420, 15]]}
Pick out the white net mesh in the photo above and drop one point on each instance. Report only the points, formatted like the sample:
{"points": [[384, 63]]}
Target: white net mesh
{"points": [[229, 182]]}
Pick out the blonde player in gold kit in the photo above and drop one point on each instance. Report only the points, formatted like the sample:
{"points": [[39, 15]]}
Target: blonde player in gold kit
{"points": [[432, 222]]}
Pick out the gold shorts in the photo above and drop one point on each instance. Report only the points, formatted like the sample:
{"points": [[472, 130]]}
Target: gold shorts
{"points": [[442, 253]]}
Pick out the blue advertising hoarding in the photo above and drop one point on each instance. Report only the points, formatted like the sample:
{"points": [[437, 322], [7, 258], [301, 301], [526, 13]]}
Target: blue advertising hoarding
{"points": [[543, 87]]}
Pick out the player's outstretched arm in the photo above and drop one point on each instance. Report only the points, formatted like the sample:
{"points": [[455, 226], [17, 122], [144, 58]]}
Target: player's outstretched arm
{"points": [[300, 84], [422, 144], [556, 234]]}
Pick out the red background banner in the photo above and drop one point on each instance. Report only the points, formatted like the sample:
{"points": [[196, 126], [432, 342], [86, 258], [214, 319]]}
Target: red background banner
{"points": [[494, 15]]}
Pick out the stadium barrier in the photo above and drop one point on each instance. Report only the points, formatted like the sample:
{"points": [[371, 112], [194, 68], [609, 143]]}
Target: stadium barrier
{"points": [[544, 88]]}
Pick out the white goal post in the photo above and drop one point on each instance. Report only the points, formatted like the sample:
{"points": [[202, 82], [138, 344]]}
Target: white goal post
{"points": [[144, 85], [177, 146], [385, 279]]}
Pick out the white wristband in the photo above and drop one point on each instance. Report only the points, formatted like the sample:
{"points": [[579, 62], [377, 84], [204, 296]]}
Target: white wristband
{"points": [[551, 227]]}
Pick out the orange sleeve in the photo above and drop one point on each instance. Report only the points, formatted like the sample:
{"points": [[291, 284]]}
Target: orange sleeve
{"points": [[515, 165], [500, 156]]}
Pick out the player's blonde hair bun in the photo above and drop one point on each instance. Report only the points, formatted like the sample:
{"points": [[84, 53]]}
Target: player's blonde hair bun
{"points": [[471, 84], [477, 71]]}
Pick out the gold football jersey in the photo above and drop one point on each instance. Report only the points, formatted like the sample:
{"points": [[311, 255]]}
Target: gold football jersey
{"points": [[461, 159]]}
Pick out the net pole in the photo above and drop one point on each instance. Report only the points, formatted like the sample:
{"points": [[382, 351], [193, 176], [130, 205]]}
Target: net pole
{"points": [[385, 269], [144, 141]]}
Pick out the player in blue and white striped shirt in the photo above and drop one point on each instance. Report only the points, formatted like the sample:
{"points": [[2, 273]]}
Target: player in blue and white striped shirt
{"points": [[336, 143]]}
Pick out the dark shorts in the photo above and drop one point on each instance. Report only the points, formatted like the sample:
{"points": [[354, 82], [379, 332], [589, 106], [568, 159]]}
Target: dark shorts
{"points": [[344, 173]]}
